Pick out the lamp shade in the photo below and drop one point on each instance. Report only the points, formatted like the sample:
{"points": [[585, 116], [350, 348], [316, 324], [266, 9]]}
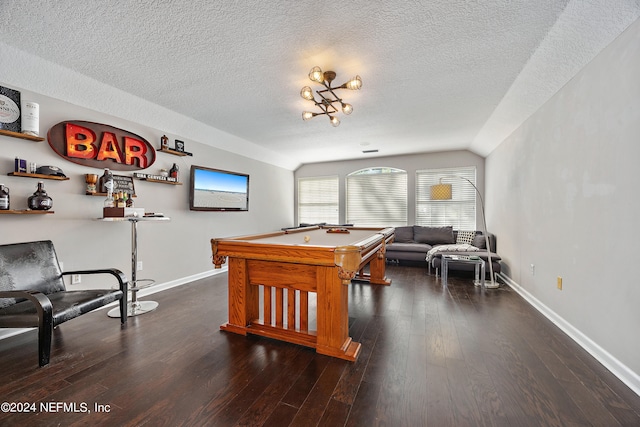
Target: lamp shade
{"points": [[307, 93], [354, 84], [441, 192], [316, 75]]}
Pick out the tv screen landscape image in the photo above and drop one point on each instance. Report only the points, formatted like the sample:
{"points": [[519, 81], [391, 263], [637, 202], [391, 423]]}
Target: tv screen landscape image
{"points": [[218, 190]]}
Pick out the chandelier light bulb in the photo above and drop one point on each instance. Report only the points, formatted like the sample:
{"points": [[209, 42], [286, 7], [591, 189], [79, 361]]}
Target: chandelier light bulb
{"points": [[347, 108], [354, 84], [307, 115], [307, 93], [335, 122], [316, 75]]}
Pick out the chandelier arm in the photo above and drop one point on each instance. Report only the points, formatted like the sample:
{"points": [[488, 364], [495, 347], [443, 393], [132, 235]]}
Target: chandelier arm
{"points": [[323, 108], [338, 99], [327, 103]]}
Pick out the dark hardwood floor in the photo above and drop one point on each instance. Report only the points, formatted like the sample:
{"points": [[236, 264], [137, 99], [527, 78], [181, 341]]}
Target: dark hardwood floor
{"points": [[431, 356]]}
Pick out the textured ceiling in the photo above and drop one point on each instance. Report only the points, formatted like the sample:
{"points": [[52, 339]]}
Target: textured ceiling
{"points": [[437, 75]]}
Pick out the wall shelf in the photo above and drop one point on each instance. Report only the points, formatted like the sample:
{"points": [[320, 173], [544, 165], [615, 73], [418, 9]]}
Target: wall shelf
{"points": [[38, 176], [155, 178], [20, 135], [161, 182], [25, 212], [174, 152], [102, 194]]}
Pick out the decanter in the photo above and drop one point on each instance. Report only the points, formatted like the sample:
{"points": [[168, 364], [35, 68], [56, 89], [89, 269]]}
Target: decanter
{"points": [[40, 201]]}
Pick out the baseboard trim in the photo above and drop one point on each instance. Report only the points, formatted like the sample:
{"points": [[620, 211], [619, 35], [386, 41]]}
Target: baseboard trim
{"points": [[179, 282], [619, 369], [6, 333]]}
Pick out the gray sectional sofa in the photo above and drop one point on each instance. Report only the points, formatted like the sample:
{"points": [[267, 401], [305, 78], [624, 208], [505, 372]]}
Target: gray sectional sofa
{"points": [[412, 243]]}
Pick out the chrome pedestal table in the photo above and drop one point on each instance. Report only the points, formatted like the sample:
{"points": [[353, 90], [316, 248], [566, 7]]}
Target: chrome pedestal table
{"points": [[135, 307]]}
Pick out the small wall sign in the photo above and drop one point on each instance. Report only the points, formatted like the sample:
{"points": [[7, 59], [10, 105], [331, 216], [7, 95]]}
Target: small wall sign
{"points": [[124, 184], [10, 109], [100, 146]]}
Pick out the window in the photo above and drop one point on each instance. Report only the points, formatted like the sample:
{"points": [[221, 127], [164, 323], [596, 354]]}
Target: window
{"points": [[318, 200], [377, 197], [460, 211]]}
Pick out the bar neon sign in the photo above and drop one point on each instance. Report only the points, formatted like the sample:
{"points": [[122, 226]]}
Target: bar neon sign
{"points": [[100, 145]]}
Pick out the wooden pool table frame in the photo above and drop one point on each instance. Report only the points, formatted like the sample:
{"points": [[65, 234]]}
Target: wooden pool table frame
{"points": [[299, 268]]}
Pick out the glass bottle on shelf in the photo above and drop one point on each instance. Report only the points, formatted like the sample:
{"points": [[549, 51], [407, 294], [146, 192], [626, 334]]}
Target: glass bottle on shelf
{"points": [[120, 201], [173, 172], [109, 202], [40, 201], [4, 198], [106, 177]]}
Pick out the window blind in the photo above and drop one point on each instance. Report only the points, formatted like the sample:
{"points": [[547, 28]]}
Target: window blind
{"points": [[377, 197], [318, 200], [460, 211]]}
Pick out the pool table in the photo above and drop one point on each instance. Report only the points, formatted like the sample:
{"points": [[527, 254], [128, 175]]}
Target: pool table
{"points": [[274, 279]]}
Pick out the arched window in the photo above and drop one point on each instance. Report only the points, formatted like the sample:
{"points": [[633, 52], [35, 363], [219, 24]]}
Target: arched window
{"points": [[377, 197]]}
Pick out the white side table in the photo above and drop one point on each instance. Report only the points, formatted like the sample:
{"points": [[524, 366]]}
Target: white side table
{"points": [[135, 307]]}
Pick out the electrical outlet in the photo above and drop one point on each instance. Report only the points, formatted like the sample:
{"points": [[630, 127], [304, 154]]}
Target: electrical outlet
{"points": [[532, 268], [559, 283], [139, 266], [75, 279]]}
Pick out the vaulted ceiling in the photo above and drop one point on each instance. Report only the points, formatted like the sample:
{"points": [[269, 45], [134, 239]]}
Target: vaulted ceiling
{"points": [[437, 75]]}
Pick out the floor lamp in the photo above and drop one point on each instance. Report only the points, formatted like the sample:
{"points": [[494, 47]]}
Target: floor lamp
{"points": [[443, 192]]}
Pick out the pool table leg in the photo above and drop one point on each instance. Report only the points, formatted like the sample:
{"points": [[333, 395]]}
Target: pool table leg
{"points": [[377, 271], [333, 317], [243, 298]]}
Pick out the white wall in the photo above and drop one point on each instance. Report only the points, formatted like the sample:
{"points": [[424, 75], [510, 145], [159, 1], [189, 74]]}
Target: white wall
{"points": [[562, 194], [410, 163], [170, 250]]}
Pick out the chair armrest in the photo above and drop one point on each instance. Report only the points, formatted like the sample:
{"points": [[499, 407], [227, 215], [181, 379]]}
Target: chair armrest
{"points": [[119, 275], [40, 300]]}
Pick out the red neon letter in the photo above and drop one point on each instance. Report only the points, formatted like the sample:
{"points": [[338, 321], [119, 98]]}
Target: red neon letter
{"points": [[80, 142], [135, 149], [109, 148]]}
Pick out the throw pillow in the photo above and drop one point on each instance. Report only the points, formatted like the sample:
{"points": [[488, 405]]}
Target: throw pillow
{"points": [[465, 237], [479, 242]]}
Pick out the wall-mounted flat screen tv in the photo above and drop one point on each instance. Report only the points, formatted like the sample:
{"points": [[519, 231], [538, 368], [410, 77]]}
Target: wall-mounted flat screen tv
{"points": [[218, 190]]}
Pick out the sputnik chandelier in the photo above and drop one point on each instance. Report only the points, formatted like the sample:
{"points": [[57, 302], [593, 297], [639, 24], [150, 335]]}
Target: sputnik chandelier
{"points": [[327, 96]]}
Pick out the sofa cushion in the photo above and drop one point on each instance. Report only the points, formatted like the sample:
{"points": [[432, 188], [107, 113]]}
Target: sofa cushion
{"points": [[408, 247], [433, 235], [465, 237], [404, 234]]}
